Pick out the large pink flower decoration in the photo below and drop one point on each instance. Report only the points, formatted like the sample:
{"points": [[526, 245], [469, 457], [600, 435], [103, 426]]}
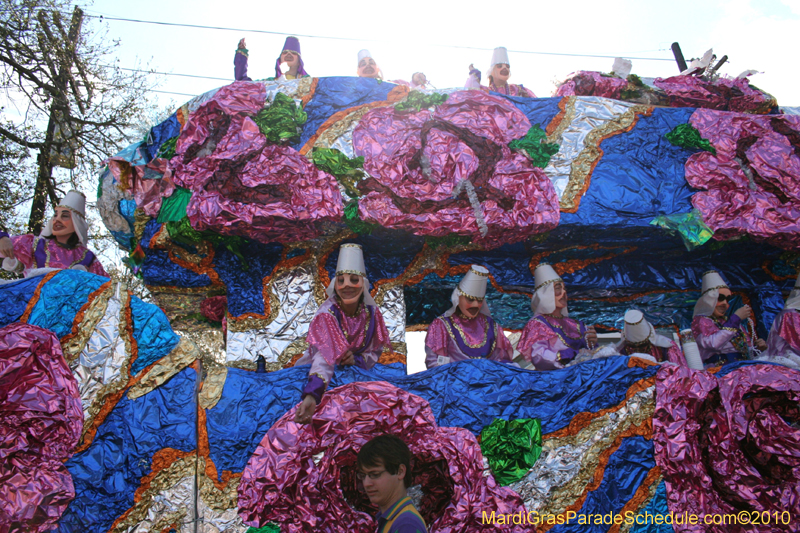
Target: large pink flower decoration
{"points": [[40, 424], [752, 184], [723, 94], [240, 184], [730, 446], [303, 477], [450, 171]]}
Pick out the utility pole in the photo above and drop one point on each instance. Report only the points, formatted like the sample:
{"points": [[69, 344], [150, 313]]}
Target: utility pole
{"points": [[59, 111]]}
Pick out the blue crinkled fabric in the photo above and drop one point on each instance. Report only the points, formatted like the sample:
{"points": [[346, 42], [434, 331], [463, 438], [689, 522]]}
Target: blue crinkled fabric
{"points": [[159, 270], [161, 133], [509, 264], [337, 94], [107, 474], [15, 297], [153, 334], [468, 394], [640, 176], [627, 467], [245, 287], [61, 298]]}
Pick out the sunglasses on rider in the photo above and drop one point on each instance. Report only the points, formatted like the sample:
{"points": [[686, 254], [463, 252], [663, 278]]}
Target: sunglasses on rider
{"points": [[722, 298]]}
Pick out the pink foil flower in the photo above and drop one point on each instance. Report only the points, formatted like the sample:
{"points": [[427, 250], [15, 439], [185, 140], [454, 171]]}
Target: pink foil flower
{"points": [[725, 94], [730, 445], [40, 424], [752, 184], [303, 477], [424, 165], [243, 186]]}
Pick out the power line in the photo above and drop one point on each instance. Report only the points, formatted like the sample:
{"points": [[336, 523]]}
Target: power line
{"points": [[175, 74], [198, 26], [168, 92]]}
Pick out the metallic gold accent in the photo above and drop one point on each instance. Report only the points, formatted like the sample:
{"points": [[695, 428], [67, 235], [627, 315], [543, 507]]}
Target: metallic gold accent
{"points": [[583, 165], [539, 286], [167, 478], [477, 273], [96, 311], [140, 220], [295, 349], [216, 499], [715, 288], [400, 347], [183, 355], [469, 296], [212, 385], [339, 128], [637, 322], [356, 272], [464, 335]]}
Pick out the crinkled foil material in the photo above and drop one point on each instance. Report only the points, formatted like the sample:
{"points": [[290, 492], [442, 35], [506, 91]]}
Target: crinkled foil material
{"points": [[732, 442], [91, 317], [752, 185], [39, 427], [393, 309], [586, 122], [567, 464], [183, 355], [101, 367], [450, 171], [293, 289], [296, 89], [171, 506], [299, 475]]}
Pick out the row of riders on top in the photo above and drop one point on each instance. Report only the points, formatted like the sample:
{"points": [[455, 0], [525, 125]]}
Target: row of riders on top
{"points": [[289, 66]]}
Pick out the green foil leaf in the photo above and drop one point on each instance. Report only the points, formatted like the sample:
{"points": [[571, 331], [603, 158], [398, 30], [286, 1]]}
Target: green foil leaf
{"points": [[687, 136], [690, 226], [353, 220], [173, 208], [282, 120], [182, 232], [347, 171], [269, 528], [416, 101], [511, 447], [534, 147]]}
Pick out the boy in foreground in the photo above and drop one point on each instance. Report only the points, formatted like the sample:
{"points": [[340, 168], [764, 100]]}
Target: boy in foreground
{"points": [[384, 467]]}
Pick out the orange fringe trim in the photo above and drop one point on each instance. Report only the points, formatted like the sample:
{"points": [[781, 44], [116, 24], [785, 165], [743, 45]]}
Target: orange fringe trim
{"points": [[640, 497], [307, 98], [204, 450], [35, 298], [573, 265], [395, 95], [553, 126], [391, 357], [204, 267]]}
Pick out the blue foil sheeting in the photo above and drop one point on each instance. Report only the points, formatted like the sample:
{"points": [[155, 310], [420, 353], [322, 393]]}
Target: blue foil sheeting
{"points": [[387, 253], [61, 298], [627, 467], [159, 270], [161, 133], [337, 94], [656, 506], [107, 474], [245, 287], [153, 334], [15, 297], [468, 394], [538, 110], [640, 176]]}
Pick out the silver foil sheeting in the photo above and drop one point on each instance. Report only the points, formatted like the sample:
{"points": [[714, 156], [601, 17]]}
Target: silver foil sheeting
{"points": [[589, 113], [557, 466]]}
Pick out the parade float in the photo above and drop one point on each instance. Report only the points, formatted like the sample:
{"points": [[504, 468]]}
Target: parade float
{"points": [[122, 415]]}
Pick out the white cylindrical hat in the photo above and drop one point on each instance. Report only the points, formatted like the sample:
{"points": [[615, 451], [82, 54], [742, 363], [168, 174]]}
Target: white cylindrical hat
{"points": [[499, 55], [363, 53], [637, 329], [75, 201], [543, 300], [793, 301], [351, 261], [472, 286], [707, 302]]}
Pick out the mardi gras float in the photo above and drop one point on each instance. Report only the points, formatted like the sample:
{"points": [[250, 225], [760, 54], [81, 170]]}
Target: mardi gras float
{"points": [[130, 416]]}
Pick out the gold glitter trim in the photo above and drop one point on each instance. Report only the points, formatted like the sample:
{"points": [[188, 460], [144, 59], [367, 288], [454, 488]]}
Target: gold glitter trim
{"points": [[637, 322], [140, 220], [714, 288], [470, 296], [583, 165], [356, 272], [400, 347], [295, 351], [549, 281], [216, 499], [183, 355], [464, 335], [477, 273]]}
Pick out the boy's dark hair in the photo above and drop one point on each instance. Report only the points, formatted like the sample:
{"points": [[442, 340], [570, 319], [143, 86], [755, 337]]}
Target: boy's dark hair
{"points": [[387, 451]]}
